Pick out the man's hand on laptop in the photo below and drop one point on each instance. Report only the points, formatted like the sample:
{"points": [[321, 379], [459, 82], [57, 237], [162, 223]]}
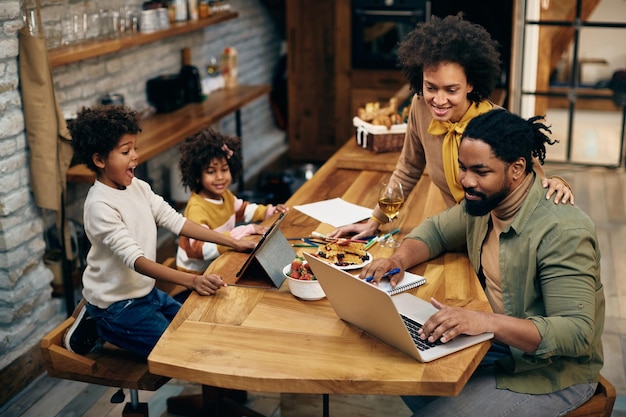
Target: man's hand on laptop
{"points": [[449, 322]]}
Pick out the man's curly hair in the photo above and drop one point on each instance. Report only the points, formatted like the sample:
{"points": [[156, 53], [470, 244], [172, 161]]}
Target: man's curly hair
{"points": [[451, 39], [511, 137], [199, 150], [98, 130]]}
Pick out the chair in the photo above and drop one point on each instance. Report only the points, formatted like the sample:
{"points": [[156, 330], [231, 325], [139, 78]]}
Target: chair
{"points": [[111, 366], [601, 404]]}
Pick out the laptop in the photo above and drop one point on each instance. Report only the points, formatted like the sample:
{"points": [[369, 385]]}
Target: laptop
{"points": [[392, 319]]}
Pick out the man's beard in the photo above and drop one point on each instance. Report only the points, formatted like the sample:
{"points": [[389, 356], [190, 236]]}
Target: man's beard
{"points": [[485, 204]]}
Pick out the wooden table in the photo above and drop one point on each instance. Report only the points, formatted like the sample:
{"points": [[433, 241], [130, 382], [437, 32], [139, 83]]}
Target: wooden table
{"points": [[269, 341]]}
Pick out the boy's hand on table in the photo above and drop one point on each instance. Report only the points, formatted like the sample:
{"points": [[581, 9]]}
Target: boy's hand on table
{"points": [[244, 245], [207, 284]]}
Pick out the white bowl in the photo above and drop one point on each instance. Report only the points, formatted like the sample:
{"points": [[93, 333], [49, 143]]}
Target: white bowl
{"points": [[309, 290]]}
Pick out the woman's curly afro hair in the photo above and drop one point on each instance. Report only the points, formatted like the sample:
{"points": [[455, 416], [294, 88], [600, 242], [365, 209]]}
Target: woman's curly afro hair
{"points": [[98, 130], [451, 39], [199, 150]]}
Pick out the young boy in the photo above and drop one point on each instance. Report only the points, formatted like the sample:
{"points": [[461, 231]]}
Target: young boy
{"points": [[121, 214]]}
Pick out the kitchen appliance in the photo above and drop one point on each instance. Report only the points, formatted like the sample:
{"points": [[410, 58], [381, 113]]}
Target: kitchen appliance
{"points": [[379, 25], [190, 78], [112, 98], [165, 92]]}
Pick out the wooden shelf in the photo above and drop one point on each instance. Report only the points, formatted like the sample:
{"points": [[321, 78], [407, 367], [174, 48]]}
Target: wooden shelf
{"points": [[91, 49], [163, 131]]}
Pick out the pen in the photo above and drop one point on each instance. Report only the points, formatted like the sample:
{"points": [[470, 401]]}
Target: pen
{"points": [[310, 242], [385, 275], [386, 235], [303, 245], [371, 242]]}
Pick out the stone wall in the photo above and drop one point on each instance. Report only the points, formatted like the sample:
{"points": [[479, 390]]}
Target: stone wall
{"points": [[28, 309]]}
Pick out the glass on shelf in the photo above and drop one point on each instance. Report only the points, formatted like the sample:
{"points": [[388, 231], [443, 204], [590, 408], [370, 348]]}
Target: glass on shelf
{"points": [[53, 37], [91, 24]]}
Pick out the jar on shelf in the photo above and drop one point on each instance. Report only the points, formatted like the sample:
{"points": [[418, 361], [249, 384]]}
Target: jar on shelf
{"points": [[228, 66], [203, 9], [180, 7]]}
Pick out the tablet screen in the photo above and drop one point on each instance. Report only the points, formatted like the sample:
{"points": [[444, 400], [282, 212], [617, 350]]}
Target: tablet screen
{"points": [[264, 238]]}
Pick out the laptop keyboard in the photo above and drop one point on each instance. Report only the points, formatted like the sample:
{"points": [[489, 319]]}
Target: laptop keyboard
{"points": [[413, 328]]}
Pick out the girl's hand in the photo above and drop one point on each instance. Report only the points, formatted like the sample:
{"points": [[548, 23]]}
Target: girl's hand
{"points": [[281, 208], [207, 284], [259, 230], [560, 187]]}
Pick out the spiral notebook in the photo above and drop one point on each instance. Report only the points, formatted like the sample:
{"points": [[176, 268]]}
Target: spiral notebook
{"points": [[409, 281]]}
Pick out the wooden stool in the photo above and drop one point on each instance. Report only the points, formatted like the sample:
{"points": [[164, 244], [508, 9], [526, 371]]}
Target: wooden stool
{"points": [[601, 404], [110, 367]]}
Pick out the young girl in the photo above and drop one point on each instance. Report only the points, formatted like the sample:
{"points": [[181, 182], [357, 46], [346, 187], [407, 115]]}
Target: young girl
{"points": [[121, 303], [209, 163]]}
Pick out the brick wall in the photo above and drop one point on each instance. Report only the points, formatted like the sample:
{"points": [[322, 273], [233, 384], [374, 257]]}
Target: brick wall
{"points": [[27, 308]]}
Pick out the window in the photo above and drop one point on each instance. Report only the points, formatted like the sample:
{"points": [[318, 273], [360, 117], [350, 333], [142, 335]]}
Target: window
{"points": [[566, 56]]}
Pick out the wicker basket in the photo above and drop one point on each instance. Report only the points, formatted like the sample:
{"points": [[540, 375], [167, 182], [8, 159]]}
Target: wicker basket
{"points": [[379, 139]]}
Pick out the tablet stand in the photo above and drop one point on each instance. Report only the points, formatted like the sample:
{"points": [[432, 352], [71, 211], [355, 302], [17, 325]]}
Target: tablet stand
{"points": [[266, 269]]}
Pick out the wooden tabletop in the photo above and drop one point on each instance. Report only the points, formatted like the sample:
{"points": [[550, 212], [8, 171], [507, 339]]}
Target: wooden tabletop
{"points": [[163, 131], [353, 156], [269, 341]]}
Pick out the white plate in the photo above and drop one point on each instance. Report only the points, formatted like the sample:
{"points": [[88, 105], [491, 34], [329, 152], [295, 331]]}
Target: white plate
{"points": [[350, 267]]}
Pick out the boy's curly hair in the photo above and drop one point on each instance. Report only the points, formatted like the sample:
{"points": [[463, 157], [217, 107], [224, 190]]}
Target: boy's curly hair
{"points": [[451, 39], [98, 130], [199, 150]]}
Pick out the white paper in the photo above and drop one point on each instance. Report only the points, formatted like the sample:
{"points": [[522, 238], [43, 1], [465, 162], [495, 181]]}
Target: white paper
{"points": [[335, 212]]}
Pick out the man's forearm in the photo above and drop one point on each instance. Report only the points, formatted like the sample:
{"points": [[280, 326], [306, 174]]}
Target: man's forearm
{"points": [[410, 253]]}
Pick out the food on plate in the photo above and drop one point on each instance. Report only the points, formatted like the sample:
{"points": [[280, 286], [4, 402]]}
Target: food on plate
{"points": [[300, 269], [343, 252]]}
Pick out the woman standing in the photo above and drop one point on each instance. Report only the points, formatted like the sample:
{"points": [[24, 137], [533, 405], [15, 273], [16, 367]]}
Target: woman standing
{"points": [[453, 66]]}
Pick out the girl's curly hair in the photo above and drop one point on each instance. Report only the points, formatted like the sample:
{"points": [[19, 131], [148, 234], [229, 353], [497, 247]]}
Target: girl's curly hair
{"points": [[98, 130], [199, 150], [451, 39]]}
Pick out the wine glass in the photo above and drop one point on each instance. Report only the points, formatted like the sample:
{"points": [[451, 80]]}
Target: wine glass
{"points": [[390, 201]]}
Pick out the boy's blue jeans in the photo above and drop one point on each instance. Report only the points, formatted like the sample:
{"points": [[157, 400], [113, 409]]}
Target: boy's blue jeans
{"points": [[138, 323]]}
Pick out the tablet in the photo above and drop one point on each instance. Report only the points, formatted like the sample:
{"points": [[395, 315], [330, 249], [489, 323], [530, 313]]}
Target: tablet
{"points": [[267, 259]]}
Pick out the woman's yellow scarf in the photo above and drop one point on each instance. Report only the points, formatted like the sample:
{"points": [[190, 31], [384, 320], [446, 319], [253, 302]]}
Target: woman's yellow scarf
{"points": [[451, 142]]}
